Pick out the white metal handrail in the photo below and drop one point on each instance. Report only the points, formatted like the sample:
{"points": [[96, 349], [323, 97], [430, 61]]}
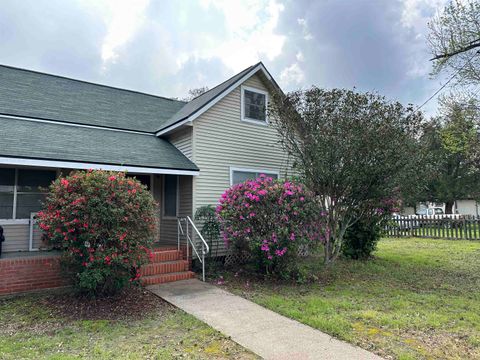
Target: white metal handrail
{"points": [[205, 248]]}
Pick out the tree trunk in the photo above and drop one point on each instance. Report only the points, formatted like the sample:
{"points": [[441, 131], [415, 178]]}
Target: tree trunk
{"points": [[449, 207]]}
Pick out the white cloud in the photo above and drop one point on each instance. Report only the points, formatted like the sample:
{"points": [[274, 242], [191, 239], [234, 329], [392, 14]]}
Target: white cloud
{"points": [[292, 75], [123, 18], [307, 35], [249, 32], [414, 18], [414, 14], [299, 56]]}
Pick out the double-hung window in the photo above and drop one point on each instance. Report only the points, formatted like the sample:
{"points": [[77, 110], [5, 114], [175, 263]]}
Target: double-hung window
{"points": [[241, 175], [22, 191], [254, 105]]}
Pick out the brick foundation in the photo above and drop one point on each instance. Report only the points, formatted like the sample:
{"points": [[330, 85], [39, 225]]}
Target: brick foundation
{"points": [[38, 272], [30, 273]]}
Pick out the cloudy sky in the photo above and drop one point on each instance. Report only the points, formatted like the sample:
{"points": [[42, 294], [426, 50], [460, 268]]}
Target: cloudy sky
{"points": [[167, 47]]}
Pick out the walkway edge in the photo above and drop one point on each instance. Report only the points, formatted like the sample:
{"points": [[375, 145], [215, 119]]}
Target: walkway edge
{"points": [[262, 331]]}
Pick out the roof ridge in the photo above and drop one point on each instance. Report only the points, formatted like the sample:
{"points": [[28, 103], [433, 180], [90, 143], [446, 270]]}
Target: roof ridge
{"points": [[92, 83], [240, 74], [223, 82]]}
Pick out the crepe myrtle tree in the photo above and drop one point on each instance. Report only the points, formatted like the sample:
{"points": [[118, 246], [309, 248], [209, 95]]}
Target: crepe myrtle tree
{"points": [[351, 149]]}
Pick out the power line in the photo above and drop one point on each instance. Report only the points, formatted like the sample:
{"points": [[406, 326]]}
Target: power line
{"points": [[448, 81]]}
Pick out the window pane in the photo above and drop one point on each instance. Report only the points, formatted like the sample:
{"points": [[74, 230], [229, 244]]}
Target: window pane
{"points": [[7, 180], [6, 205], [273, 176], [242, 176], [170, 195], [28, 203], [255, 107], [34, 180]]}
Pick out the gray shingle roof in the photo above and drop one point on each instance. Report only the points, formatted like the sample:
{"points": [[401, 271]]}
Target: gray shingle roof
{"points": [[44, 96], [38, 95], [46, 141]]}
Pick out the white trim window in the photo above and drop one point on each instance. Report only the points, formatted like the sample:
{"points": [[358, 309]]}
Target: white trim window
{"points": [[170, 196], [239, 175], [254, 105], [22, 191]]}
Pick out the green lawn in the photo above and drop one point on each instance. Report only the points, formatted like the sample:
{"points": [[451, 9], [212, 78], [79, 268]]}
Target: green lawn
{"points": [[418, 299], [30, 328]]}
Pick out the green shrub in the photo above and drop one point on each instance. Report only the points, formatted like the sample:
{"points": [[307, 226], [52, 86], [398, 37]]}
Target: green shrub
{"points": [[361, 239], [105, 224], [210, 227]]}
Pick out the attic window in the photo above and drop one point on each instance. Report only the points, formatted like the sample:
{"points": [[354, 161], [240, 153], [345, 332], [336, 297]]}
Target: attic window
{"points": [[254, 105]]}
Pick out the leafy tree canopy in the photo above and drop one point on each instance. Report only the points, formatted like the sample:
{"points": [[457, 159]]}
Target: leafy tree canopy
{"points": [[452, 142], [353, 150]]}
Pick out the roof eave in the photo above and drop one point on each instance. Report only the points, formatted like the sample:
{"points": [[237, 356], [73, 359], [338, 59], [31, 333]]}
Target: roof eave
{"points": [[65, 164]]}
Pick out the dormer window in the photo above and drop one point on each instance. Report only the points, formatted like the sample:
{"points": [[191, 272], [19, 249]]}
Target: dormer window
{"points": [[254, 105]]}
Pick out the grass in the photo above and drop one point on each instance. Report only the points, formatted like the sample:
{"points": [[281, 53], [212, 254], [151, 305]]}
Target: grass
{"points": [[31, 330], [418, 299]]}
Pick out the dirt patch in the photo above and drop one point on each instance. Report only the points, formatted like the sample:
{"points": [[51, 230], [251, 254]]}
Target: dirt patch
{"points": [[131, 304], [44, 313]]}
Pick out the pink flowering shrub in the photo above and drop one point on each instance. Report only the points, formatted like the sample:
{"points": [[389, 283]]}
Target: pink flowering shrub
{"points": [[269, 219], [105, 224]]}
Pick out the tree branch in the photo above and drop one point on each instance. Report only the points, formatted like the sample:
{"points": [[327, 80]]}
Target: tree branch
{"points": [[474, 44]]}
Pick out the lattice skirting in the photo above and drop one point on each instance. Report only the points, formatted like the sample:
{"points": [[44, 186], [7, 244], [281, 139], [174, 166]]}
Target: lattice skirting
{"points": [[240, 258]]}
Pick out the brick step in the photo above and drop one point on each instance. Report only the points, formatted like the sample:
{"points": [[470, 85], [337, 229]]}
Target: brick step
{"points": [[164, 267], [166, 255], [164, 278]]}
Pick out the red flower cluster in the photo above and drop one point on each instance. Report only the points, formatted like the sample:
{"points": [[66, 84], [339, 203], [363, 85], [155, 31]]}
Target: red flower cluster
{"points": [[104, 222]]}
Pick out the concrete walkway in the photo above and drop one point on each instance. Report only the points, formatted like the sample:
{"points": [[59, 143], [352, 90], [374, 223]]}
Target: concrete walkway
{"points": [[264, 332]]}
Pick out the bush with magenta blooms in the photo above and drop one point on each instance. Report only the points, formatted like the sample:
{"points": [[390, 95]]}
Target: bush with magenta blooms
{"points": [[270, 220]]}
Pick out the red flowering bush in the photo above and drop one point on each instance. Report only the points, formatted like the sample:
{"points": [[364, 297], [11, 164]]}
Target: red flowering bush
{"points": [[270, 219], [105, 224]]}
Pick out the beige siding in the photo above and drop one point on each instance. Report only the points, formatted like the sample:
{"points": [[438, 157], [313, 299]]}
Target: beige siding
{"points": [[182, 140], [17, 237], [222, 140]]}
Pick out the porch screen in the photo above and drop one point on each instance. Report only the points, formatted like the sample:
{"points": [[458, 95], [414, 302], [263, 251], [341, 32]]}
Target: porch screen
{"points": [[22, 191], [170, 195]]}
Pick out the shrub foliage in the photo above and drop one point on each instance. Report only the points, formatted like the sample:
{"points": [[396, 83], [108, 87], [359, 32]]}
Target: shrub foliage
{"points": [[269, 219], [361, 237], [105, 224]]}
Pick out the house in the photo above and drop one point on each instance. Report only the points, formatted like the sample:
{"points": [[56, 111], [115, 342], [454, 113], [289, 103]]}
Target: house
{"points": [[466, 207], [187, 153]]}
